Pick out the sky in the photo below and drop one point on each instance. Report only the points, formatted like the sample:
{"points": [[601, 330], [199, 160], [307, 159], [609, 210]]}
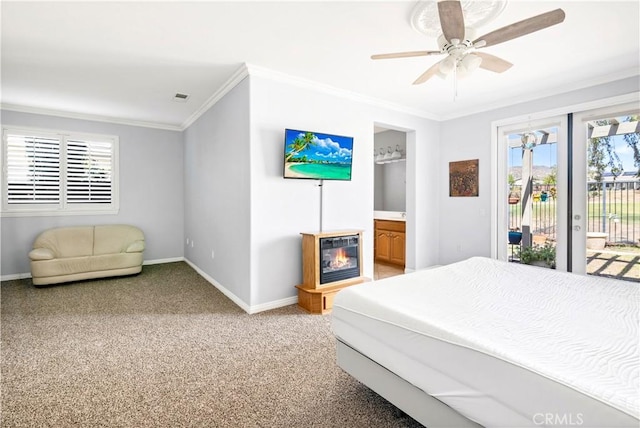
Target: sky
{"points": [[332, 148], [546, 155]]}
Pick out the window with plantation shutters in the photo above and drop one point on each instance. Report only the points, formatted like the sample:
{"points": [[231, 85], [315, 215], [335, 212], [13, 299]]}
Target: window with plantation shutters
{"points": [[88, 172], [47, 172], [32, 169]]}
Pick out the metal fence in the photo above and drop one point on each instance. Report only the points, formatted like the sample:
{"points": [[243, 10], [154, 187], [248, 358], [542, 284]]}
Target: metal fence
{"points": [[543, 213], [612, 208]]}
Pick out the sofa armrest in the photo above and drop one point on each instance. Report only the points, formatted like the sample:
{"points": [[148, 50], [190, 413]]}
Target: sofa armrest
{"points": [[135, 247], [41, 254]]}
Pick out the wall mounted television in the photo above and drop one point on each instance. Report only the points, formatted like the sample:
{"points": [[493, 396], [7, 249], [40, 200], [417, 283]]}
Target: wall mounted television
{"points": [[317, 156]]}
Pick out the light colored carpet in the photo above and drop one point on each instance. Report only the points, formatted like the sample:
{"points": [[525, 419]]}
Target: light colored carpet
{"points": [[166, 349]]}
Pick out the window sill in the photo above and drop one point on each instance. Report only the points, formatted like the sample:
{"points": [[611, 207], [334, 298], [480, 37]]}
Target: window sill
{"points": [[57, 213]]}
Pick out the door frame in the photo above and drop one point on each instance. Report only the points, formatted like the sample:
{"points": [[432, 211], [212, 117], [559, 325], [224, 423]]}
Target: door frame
{"points": [[560, 122], [578, 253], [499, 173]]}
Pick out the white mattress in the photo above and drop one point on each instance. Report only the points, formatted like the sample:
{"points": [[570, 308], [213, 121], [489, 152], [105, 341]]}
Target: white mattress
{"points": [[505, 344]]}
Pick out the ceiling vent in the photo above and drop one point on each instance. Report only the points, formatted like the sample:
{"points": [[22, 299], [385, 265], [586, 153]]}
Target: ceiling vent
{"points": [[181, 98]]}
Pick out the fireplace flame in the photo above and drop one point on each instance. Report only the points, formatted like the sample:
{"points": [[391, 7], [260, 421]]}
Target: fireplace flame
{"points": [[340, 259]]}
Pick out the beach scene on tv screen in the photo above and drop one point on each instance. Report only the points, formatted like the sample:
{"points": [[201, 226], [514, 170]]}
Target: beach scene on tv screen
{"points": [[316, 155]]}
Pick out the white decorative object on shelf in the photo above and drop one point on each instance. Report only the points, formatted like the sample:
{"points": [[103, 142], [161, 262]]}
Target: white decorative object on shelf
{"points": [[389, 156]]}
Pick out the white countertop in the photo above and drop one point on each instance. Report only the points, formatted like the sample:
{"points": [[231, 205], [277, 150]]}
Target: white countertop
{"points": [[390, 215]]}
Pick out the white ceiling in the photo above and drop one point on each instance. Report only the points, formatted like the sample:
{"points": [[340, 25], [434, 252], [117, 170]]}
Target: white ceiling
{"points": [[127, 60]]}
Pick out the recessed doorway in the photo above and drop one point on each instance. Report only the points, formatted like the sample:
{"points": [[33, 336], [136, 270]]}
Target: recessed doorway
{"points": [[390, 179]]}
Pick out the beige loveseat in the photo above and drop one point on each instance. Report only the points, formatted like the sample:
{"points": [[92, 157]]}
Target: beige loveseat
{"points": [[75, 253]]}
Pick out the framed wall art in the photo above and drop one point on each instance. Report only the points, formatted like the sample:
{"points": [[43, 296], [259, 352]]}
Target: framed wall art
{"points": [[463, 178]]}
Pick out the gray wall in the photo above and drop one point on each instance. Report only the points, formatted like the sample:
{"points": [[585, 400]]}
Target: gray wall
{"points": [[151, 189], [217, 196], [467, 222], [390, 178]]}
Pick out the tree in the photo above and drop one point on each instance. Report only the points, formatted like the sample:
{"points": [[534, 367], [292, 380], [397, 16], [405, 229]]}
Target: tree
{"points": [[602, 153], [552, 178], [300, 144]]}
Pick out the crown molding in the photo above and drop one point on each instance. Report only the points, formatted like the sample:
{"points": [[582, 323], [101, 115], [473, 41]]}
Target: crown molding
{"points": [[255, 70], [91, 117], [246, 70], [582, 84], [240, 74]]}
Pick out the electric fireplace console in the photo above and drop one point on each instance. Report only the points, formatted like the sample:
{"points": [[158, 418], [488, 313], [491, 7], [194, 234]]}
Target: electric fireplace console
{"points": [[331, 261]]}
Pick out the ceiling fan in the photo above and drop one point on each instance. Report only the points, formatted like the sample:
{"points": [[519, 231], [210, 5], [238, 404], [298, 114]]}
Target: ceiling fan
{"points": [[460, 46]]}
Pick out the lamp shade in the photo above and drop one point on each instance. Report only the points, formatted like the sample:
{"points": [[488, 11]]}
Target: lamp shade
{"points": [[446, 65], [471, 62]]}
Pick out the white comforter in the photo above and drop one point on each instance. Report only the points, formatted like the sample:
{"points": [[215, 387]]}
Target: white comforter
{"points": [[577, 330]]}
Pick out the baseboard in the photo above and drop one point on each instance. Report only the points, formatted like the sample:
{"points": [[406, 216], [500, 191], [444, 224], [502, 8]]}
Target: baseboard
{"points": [[235, 299], [407, 270], [15, 276], [160, 261], [273, 305]]}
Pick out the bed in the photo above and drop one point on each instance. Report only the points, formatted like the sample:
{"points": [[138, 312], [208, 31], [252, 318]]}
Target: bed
{"points": [[489, 343]]}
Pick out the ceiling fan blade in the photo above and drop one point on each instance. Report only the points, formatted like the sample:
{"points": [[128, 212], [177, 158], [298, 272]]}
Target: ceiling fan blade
{"points": [[493, 63], [428, 74], [404, 54], [451, 19], [522, 28]]}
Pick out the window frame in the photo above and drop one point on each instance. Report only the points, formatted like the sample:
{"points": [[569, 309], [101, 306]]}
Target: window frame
{"points": [[63, 207]]}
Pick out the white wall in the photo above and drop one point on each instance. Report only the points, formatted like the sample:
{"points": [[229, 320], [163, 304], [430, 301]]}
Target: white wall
{"points": [[390, 178], [282, 209], [467, 224], [151, 183], [217, 197]]}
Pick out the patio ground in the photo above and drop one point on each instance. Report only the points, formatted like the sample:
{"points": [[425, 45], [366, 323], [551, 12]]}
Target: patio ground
{"points": [[614, 264]]}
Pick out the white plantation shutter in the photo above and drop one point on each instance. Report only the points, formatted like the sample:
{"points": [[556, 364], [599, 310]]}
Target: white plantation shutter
{"points": [[33, 169], [49, 172], [88, 172]]}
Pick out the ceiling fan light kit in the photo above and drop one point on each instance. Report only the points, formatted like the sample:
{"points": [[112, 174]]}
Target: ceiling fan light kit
{"points": [[458, 43]]}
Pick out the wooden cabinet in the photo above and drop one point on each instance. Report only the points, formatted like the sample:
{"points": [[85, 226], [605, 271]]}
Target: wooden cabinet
{"points": [[390, 242], [319, 300], [313, 295]]}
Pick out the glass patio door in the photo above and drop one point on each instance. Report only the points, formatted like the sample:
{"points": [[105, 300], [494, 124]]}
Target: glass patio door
{"points": [[604, 237], [534, 199], [595, 202]]}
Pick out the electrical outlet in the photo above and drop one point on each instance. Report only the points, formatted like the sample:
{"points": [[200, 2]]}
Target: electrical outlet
{"points": [[187, 241], [192, 244], [212, 254]]}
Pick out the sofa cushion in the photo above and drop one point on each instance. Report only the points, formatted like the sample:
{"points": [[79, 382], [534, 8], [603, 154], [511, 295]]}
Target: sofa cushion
{"points": [[76, 265], [116, 238], [64, 242], [115, 261]]}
